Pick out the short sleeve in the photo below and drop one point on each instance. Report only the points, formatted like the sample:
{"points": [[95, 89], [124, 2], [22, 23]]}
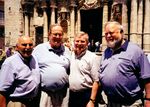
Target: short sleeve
{"points": [[6, 76]]}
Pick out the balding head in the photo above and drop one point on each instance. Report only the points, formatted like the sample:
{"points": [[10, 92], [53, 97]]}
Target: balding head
{"points": [[114, 34], [24, 46]]}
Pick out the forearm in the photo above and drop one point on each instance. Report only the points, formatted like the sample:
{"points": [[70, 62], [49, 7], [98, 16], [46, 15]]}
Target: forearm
{"points": [[147, 94], [94, 90], [2, 101], [93, 95]]}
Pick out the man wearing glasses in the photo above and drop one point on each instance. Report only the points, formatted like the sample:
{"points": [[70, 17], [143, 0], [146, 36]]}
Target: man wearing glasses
{"points": [[124, 70], [53, 59], [20, 77]]}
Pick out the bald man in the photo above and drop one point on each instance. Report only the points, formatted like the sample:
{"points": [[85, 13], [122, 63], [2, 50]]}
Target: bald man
{"points": [[20, 77]]}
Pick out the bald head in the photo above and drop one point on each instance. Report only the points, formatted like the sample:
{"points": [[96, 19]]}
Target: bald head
{"points": [[23, 38], [24, 46]]}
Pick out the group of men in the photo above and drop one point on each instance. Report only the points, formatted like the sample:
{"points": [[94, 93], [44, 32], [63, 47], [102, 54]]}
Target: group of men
{"points": [[50, 75]]}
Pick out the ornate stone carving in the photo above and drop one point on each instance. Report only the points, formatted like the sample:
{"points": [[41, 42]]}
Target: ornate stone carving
{"points": [[88, 4], [117, 12]]}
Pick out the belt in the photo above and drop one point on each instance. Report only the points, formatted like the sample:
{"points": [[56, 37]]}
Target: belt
{"points": [[28, 102], [21, 99], [128, 101], [55, 90], [82, 91]]}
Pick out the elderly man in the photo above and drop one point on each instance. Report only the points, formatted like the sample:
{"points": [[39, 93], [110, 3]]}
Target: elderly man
{"points": [[124, 70], [20, 77], [83, 78], [53, 59]]}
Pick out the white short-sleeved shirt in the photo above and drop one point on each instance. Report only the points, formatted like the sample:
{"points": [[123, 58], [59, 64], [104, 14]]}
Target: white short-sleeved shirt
{"points": [[83, 71]]}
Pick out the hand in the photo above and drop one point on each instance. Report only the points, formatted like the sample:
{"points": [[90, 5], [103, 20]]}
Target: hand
{"points": [[147, 103], [2, 101], [90, 104]]}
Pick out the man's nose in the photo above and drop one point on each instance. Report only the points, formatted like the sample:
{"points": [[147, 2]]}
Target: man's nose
{"points": [[29, 45], [108, 35], [79, 43]]}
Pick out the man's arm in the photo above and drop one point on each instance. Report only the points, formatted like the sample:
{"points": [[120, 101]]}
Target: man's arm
{"points": [[147, 94], [2, 100], [93, 94]]}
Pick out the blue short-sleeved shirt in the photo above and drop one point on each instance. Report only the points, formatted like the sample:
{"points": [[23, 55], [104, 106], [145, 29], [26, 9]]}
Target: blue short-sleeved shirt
{"points": [[121, 71], [54, 66], [19, 80]]}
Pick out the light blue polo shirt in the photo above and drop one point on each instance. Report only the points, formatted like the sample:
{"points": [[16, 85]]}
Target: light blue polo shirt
{"points": [[54, 66], [17, 79]]}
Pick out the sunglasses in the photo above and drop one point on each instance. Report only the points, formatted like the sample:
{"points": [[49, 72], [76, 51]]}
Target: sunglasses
{"points": [[25, 44], [55, 34]]}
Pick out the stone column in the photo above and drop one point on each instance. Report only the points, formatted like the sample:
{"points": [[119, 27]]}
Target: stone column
{"points": [[21, 24], [35, 15], [72, 24], [133, 27], [105, 19], [26, 25], [146, 39], [140, 23], [52, 6], [32, 28], [52, 15], [125, 18], [78, 23], [45, 26]]}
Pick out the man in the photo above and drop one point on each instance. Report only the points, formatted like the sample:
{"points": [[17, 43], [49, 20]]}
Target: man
{"points": [[2, 57], [9, 52], [83, 78], [124, 70], [20, 77], [53, 59]]}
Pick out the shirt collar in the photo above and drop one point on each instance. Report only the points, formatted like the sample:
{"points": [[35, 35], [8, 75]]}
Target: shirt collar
{"points": [[26, 61], [122, 48], [79, 56], [109, 52], [58, 51]]}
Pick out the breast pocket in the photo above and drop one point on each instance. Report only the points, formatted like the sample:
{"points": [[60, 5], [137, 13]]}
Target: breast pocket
{"points": [[84, 66]]}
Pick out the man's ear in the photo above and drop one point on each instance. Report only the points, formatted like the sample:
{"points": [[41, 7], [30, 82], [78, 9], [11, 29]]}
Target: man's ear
{"points": [[16, 46], [121, 31]]}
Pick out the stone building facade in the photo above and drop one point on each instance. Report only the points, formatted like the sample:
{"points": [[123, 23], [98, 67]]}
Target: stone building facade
{"points": [[34, 17]]}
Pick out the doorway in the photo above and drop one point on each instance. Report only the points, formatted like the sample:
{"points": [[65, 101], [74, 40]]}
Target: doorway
{"points": [[39, 35], [91, 23]]}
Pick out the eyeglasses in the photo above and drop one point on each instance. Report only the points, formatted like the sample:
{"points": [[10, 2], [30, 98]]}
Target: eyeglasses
{"points": [[111, 33], [55, 34], [25, 44]]}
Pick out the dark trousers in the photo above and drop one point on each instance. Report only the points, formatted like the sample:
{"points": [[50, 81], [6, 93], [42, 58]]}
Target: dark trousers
{"points": [[80, 99]]}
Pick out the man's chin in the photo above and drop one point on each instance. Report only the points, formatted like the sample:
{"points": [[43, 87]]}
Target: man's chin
{"points": [[27, 55], [111, 45]]}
